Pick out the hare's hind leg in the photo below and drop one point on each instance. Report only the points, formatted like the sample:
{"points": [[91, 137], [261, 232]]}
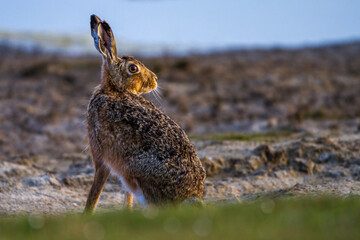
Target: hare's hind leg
{"points": [[128, 201], [101, 174]]}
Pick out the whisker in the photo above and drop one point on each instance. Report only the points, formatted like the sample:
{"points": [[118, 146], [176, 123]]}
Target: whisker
{"points": [[159, 92], [159, 87], [157, 97]]}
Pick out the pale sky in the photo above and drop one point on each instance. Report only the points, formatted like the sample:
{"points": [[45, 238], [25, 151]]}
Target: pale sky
{"points": [[204, 22]]}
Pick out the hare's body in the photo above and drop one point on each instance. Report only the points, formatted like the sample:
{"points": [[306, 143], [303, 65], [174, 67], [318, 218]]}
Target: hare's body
{"points": [[130, 136], [148, 150]]}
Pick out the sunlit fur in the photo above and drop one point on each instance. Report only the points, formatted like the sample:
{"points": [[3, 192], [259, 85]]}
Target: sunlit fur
{"points": [[117, 77]]}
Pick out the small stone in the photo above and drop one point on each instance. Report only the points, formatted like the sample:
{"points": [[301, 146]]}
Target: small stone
{"points": [[280, 158], [302, 165], [238, 167], [264, 152], [334, 173], [255, 162], [356, 172], [221, 185], [318, 168], [259, 172], [208, 183], [311, 166], [78, 181], [324, 140], [329, 157], [353, 161], [281, 174], [34, 182], [212, 167]]}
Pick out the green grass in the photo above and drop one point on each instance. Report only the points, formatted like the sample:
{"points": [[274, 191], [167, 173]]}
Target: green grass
{"points": [[320, 218], [259, 137]]}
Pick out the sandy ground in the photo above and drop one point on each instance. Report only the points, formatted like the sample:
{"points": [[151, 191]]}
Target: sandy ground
{"points": [[237, 171], [311, 94]]}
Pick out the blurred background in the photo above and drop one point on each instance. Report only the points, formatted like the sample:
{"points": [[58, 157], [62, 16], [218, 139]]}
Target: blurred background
{"points": [[174, 26], [225, 67], [280, 79]]}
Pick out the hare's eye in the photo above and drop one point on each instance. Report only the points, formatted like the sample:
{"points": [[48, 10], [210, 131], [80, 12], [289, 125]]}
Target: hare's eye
{"points": [[133, 68]]}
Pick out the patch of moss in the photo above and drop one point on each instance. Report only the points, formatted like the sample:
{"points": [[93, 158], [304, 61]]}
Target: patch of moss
{"points": [[322, 114], [244, 137]]}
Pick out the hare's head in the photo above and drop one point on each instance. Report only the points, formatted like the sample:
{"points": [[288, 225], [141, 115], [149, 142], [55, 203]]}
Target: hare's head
{"points": [[122, 74]]}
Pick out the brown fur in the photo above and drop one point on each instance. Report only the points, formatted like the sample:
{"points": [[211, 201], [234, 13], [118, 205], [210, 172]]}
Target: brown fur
{"points": [[135, 139]]}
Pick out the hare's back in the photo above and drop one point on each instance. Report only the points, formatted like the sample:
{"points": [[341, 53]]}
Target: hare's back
{"points": [[139, 118], [132, 122]]}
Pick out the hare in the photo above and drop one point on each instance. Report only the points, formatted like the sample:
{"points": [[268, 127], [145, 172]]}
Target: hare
{"points": [[132, 138]]}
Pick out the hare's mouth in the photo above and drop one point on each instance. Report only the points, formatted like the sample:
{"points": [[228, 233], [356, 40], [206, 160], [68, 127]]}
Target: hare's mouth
{"points": [[151, 86]]}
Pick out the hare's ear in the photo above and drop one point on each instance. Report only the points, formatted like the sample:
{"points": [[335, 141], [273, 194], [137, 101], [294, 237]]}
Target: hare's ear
{"points": [[103, 38]]}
